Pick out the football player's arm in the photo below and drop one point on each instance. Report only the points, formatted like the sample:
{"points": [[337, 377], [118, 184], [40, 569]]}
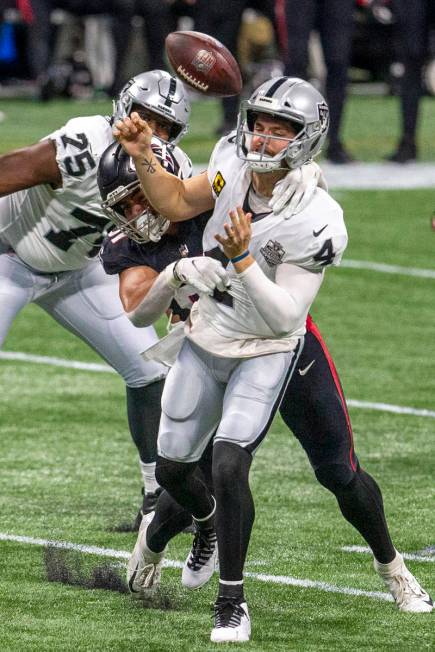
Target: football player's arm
{"points": [[29, 166], [283, 304], [174, 198], [145, 294]]}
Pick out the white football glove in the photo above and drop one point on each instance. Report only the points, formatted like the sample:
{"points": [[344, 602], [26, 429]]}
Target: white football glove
{"points": [[294, 192], [202, 273]]}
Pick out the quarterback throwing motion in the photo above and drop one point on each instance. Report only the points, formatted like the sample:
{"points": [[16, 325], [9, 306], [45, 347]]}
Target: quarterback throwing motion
{"points": [[243, 339], [241, 322]]}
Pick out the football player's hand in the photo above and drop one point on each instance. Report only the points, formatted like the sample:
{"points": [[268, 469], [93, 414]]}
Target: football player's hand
{"points": [[204, 274], [238, 234], [134, 134], [294, 192]]}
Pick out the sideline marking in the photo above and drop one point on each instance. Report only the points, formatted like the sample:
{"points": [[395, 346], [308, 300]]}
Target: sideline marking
{"points": [[372, 176], [168, 563], [102, 368], [406, 555]]}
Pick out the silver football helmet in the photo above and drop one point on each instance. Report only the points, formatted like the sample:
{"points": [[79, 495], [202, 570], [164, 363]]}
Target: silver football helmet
{"points": [[117, 180], [161, 94], [295, 101]]}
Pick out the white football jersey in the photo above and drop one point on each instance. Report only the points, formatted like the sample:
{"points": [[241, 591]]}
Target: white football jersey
{"points": [[228, 324], [61, 229]]}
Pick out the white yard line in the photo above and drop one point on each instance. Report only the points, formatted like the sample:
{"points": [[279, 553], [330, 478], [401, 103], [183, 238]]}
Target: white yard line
{"points": [[406, 555], [90, 366], [56, 362], [320, 586], [388, 269], [394, 409], [261, 577]]}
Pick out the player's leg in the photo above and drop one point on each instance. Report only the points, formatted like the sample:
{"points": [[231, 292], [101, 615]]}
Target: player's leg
{"points": [[143, 413], [411, 33], [158, 528], [18, 287], [86, 302], [170, 518], [189, 420], [314, 408], [252, 397], [191, 410], [300, 20], [222, 19], [336, 21]]}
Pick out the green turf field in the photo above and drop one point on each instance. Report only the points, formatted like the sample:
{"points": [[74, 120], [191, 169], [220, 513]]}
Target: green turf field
{"points": [[69, 471]]}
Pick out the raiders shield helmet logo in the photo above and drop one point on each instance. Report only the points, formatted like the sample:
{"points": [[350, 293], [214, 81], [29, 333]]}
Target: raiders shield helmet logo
{"points": [[323, 115]]}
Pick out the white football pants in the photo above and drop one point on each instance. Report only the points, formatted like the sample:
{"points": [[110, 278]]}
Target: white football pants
{"points": [[236, 397], [86, 302]]}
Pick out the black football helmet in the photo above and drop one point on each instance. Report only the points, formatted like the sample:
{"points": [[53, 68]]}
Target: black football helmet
{"points": [[117, 180]]}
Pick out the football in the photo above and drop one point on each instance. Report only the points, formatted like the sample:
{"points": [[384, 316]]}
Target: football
{"points": [[203, 63]]}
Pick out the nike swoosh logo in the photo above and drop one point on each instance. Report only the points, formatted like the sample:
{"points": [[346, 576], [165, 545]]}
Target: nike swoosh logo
{"points": [[317, 233], [132, 578], [302, 372]]}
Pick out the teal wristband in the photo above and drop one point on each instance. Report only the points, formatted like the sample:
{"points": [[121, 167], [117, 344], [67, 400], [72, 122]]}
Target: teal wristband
{"points": [[237, 259]]}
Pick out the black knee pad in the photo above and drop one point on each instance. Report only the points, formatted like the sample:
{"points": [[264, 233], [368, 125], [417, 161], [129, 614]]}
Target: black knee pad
{"points": [[335, 477], [170, 474], [231, 463]]}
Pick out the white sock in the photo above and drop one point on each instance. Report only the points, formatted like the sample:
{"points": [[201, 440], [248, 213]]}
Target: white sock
{"points": [[391, 567], [149, 476]]}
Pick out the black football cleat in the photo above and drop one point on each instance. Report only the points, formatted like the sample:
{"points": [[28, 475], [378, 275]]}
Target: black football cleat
{"points": [[149, 501], [148, 505], [406, 153]]}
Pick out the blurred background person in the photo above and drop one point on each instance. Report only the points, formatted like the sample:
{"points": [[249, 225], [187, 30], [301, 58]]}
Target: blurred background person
{"points": [[36, 14], [156, 25], [94, 37], [223, 19], [412, 21], [334, 20]]}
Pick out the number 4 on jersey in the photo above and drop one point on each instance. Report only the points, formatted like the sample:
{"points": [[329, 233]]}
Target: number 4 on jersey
{"points": [[326, 254]]}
